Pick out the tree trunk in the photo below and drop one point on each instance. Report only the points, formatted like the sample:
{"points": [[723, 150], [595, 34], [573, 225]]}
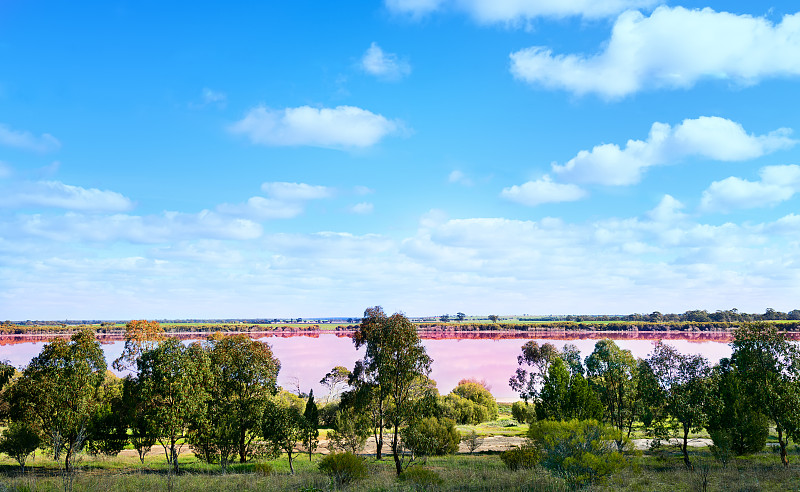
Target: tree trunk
{"points": [[397, 464], [379, 442], [291, 466], [782, 443], [242, 447], [685, 448]]}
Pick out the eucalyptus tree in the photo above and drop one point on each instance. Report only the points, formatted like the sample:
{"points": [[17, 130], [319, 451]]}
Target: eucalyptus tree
{"points": [[394, 361], [681, 388], [173, 383], [283, 428], [528, 381], [58, 392], [612, 373], [769, 366]]}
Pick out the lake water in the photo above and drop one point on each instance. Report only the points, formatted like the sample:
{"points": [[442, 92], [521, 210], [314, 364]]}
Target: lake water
{"points": [[490, 356]]}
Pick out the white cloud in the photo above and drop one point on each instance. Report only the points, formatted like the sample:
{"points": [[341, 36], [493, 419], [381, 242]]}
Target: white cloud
{"points": [[295, 191], [284, 201], [706, 137], [673, 48], [210, 96], [517, 10], [459, 177], [342, 126], [667, 210], [59, 195], [543, 190], [148, 229], [28, 141], [363, 190], [384, 65], [362, 208], [778, 183]]}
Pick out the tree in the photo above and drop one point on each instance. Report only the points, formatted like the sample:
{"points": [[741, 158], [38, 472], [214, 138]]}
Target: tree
{"points": [[493, 318], [538, 358], [336, 382], [566, 397], [282, 427], [173, 383], [19, 441], [612, 373], [734, 422], [479, 395], [311, 428], [140, 335], [394, 358], [58, 393], [681, 385], [142, 434], [107, 432], [460, 316], [430, 436], [243, 377], [350, 431], [445, 318], [769, 366]]}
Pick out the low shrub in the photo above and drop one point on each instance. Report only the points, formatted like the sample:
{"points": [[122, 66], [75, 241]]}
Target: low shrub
{"points": [[264, 469], [421, 478], [520, 458], [523, 412], [343, 468], [431, 437]]}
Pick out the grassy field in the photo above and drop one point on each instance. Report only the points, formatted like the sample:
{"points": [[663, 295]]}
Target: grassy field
{"points": [[662, 471]]}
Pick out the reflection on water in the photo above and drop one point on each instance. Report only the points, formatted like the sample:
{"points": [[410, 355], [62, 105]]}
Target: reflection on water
{"points": [[307, 357]]}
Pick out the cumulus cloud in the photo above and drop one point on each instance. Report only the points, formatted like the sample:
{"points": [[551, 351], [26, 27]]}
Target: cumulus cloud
{"points": [[384, 65], [54, 194], [27, 140], [777, 184], [516, 10], [706, 137], [283, 201], [339, 127], [362, 208], [542, 190], [667, 210], [672, 48]]}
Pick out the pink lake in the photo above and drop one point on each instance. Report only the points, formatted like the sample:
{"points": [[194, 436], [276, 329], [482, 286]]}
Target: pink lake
{"points": [[492, 357]]}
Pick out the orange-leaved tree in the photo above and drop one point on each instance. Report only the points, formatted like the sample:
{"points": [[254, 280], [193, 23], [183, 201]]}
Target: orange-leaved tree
{"points": [[140, 335]]}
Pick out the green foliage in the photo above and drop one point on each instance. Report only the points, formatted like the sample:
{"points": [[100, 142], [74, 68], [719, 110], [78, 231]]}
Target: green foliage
{"points": [[520, 458], [351, 430], [613, 374], [565, 396], [264, 469], [580, 451], [538, 358], [393, 361], [311, 427], [58, 392], [142, 434], [422, 478], [480, 396], [523, 412], [343, 468], [734, 423], [472, 440], [282, 428], [173, 384], [769, 366], [336, 381], [107, 432], [431, 437], [327, 414], [463, 411], [19, 441]]}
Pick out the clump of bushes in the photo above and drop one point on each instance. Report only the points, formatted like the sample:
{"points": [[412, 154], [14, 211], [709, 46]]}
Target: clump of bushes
{"points": [[469, 403], [431, 437], [580, 451], [523, 412], [520, 458], [343, 468]]}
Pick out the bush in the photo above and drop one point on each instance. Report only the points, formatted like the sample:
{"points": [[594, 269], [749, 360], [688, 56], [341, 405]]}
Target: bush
{"points": [[264, 469], [327, 414], [480, 396], [431, 437], [18, 442], [343, 468], [351, 430], [581, 451], [523, 412], [520, 458], [421, 478]]}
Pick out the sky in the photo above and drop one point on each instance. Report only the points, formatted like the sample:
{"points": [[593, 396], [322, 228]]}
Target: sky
{"points": [[307, 159]]}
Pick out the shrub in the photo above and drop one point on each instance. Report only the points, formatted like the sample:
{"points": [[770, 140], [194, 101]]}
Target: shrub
{"points": [[327, 414], [19, 441], [480, 396], [472, 440], [264, 469], [520, 458], [523, 412], [581, 451], [431, 437], [343, 468], [421, 478], [351, 430]]}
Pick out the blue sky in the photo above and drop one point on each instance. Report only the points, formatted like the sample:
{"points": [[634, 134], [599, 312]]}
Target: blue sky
{"points": [[273, 159]]}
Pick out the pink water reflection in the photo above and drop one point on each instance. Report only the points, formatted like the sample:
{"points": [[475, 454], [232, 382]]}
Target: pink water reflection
{"points": [[307, 358]]}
